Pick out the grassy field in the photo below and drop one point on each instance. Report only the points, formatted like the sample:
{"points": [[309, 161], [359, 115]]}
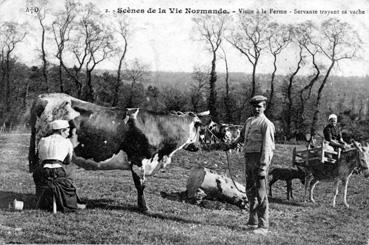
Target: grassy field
{"points": [[111, 215]]}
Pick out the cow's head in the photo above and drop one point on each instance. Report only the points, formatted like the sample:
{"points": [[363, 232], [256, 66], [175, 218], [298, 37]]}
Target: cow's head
{"points": [[226, 133], [214, 127], [193, 143]]}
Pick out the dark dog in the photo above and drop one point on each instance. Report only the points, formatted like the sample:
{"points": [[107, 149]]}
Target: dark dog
{"points": [[286, 174]]}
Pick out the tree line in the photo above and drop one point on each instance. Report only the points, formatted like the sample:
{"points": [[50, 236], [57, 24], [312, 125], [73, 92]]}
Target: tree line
{"points": [[82, 39]]}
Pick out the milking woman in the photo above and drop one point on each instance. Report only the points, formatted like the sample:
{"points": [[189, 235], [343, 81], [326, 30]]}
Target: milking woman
{"points": [[50, 177]]}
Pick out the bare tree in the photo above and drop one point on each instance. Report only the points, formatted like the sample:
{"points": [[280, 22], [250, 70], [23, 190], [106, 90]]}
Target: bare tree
{"points": [[96, 46], [90, 45], [10, 35], [361, 111], [62, 27], [249, 38], [41, 17], [339, 42], [136, 72], [278, 38], [200, 77], [304, 34], [99, 51], [211, 30], [289, 93], [123, 30], [227, 99]]}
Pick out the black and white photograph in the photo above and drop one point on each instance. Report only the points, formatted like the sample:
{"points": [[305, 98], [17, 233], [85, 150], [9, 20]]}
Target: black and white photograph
{"points": [[184, 122]]}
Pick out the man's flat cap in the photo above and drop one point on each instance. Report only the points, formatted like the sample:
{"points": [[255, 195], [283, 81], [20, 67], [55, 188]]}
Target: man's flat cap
{"points": [[257, 99]]}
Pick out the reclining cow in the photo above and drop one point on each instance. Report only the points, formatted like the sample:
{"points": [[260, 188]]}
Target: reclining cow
{"points": [[341, 171], [112, 138]]}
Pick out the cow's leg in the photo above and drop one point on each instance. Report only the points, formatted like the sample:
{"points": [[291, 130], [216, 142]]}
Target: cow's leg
{"points": [[270, 186], [311, 192], [140, 186], [308, 180], [292, 191], [336, 186], [289, 189], [345, 184]]}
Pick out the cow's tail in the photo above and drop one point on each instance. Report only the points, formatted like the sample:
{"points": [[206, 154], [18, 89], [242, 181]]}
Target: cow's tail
{"points": [[36, 110]]}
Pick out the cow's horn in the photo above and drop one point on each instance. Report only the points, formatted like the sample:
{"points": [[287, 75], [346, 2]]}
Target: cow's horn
{"points": [[204, 113]]}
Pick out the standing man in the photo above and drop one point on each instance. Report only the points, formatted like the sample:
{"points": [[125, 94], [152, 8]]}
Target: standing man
{"points": [[50, 177], [258, 138]]}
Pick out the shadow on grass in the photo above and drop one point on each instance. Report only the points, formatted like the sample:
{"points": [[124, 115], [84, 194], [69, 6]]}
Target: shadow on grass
{"points": [[7, 197], [106, 204], [29, 200], [286, 202], [207, 203]]}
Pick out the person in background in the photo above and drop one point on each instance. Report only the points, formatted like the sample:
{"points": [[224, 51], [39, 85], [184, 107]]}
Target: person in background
{"points": [[258, 138], [333, 135], [50, 177]]}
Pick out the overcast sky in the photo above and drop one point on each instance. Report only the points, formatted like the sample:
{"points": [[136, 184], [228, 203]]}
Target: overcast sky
{"points": [[163, 41]]}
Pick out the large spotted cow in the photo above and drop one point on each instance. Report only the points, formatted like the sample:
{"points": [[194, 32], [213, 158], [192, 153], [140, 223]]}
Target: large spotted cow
{"points": [[112, 138]]}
